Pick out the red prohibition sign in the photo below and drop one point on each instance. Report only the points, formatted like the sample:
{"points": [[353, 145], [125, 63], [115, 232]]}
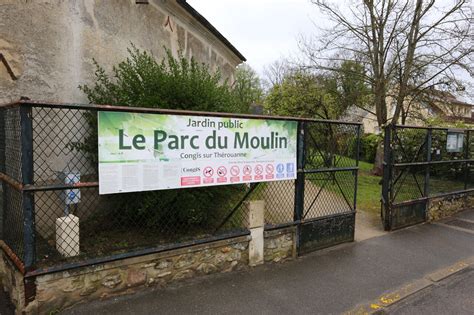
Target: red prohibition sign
{"points": [[258, 169], [221, 171], [234, 170], [208, 171], [269, 168], [247, 169]]}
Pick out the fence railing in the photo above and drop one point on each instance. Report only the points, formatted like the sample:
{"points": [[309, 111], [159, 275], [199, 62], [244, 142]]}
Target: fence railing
{"points": [[44, 145], [422, 163]]}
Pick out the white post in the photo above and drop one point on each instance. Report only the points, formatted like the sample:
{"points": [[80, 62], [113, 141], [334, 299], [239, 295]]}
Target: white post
{"points": [[67, 235], [256, 226]]}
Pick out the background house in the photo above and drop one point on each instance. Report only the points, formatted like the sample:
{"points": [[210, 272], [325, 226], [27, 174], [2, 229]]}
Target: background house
{"points": [[432, 104], [47, 47]]}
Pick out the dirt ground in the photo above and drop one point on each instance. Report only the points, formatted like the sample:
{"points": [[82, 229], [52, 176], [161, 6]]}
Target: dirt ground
{"points": [[367, 226]]}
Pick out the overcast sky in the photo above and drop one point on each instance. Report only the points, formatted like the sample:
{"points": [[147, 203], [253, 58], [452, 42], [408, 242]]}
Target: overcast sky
{"points": [[266, 30], [262, 30]]}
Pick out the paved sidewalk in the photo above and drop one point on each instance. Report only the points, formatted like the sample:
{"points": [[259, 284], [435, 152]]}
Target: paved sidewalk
{"points": [[454, 295], [326, 282]]}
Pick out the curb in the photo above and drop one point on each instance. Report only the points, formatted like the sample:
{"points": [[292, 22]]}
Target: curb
{"points": [[378, 305]]}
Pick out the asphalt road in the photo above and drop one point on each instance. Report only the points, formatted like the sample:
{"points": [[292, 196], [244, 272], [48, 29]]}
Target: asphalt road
{"points": [[330, 281], [453, 295]]}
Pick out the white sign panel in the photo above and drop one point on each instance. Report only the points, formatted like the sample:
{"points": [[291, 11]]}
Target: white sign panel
{"points": [[454, 142], [142, 152]]}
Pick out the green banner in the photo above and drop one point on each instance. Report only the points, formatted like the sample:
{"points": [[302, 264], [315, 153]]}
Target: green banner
{"points": [[140, 152]]}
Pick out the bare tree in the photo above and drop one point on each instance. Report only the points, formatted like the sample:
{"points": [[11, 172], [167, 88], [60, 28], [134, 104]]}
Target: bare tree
{"points": [[405, 46], [275, 72]]}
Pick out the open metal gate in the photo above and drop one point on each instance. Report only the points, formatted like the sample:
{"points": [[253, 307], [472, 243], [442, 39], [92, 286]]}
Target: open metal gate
{"points": [[326, 185], [421, 163]]}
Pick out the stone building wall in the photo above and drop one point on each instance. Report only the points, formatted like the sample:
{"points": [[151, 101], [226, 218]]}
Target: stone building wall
{"points": [[49, 45], [47, 48]]}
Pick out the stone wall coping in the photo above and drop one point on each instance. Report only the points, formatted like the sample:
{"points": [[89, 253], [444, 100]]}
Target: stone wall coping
{"points": [[276, 232], [451, 196], [140, 259]]}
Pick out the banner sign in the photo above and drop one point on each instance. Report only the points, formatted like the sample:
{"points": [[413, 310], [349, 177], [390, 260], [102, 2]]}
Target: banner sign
{"points": [[141, 152]]}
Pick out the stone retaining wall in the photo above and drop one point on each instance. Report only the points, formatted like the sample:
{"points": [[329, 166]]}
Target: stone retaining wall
{"points": [[442, 207], [11, 281], [60, 290], [280, 244]]}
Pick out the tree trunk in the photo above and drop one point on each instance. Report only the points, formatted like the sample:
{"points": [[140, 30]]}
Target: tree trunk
{"points": [[378, 164]]}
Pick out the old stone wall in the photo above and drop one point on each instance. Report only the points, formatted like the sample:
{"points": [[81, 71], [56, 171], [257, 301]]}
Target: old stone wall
{"points": [[49, 45], [59, 290], [439, 208], [280, 244], [48, 48], [63, 289], [11, 281]]}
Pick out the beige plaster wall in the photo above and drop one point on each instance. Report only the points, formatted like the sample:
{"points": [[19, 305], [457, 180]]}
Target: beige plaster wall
{"points": [[48, 48], [50, 45]]}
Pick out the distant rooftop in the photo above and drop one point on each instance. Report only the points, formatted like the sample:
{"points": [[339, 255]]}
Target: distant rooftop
{"points": [[460, 98]]}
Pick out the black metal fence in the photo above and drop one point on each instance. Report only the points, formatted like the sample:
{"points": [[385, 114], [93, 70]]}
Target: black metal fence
{"points": [[47, 158], [420, 164]]}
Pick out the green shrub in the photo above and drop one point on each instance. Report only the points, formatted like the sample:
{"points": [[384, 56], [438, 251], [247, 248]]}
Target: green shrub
{"points": [[409, 145], [367, 149], [369, 145], [173, 83]]}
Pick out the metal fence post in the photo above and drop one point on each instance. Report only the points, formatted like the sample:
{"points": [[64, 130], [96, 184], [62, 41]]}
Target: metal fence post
{"points": [[466, 157], [3, 201], [356, 173], [429, 140], [387, 174], [300, 178], [26, 121]]}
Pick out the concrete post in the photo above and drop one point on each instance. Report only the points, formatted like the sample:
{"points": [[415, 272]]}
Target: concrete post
{"points": [[67, 235], [256, 226]]}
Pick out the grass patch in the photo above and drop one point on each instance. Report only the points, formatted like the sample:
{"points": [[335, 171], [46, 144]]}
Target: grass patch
{"points": [[369, 192], [366, 167], [369, 188]]}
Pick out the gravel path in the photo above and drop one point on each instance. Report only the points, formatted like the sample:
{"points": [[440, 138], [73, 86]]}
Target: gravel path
{"points": [[280, 196]]}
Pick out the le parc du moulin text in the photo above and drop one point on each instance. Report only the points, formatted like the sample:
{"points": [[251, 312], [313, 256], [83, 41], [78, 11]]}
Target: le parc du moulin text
{"points": [[241, 140]]}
